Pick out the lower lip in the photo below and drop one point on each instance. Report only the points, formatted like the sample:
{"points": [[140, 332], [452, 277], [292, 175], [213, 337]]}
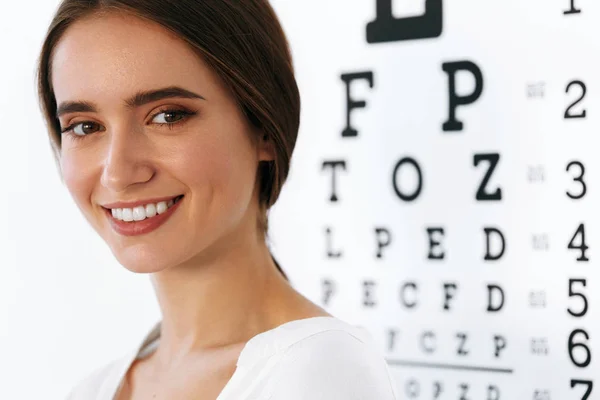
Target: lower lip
{"points": [[135, 228]]}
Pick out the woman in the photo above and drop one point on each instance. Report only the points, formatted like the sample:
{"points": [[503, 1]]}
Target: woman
{"points": [[173, 124]]}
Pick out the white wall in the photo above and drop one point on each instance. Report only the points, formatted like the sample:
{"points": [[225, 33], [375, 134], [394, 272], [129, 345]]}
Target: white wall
{"points": [[516, 45]]}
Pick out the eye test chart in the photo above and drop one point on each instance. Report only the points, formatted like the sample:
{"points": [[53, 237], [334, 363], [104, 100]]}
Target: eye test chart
{"points": [[444, 191]]}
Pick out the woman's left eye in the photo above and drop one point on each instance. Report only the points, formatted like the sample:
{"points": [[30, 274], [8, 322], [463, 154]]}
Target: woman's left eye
{"points": [[171, 117]]}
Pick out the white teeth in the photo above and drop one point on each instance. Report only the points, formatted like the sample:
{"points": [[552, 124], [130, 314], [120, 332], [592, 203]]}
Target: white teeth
{"points": [[127, 214], [161, 207], [140, 213], [150, 210]]}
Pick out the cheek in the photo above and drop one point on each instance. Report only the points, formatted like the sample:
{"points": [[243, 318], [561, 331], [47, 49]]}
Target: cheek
{"points": [[78, 178], [225, 166]]}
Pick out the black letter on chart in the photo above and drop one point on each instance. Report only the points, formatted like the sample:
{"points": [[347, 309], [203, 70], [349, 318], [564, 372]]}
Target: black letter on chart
{"points": [[488, 255], [573, 9], [405, 302], [385, 242], [387, 28], [499, 345], [462, 339], [438, 387], [465, 388], [452, 124], [428, 342], [330, 252], [449, 292], [328, 289], [351, 103], [393, 334], [333, 165], [413, 196], [367, 300], [491, 306], [413, 389], [493, 393], [482, 193], [434, 243]]}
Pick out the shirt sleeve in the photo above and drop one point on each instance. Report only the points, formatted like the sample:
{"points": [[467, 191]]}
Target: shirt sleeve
{"points": [[331, 365], [92, 384]]}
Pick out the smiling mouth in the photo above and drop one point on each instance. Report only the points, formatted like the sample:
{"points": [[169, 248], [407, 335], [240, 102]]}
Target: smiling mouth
{"points": [[142, 212]]}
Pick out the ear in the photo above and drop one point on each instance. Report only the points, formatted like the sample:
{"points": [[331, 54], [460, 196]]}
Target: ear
{"points": [[266, 148]]}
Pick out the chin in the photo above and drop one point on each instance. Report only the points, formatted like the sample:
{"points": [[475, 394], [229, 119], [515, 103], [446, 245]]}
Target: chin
{"points": [[143, 262], [148, 254], [139, 268]]}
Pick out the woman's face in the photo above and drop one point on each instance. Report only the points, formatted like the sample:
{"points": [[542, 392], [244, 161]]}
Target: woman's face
{"points": [[120, 148]]}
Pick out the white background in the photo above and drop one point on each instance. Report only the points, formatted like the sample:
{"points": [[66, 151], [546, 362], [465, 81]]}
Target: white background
{"points": [[61, 291]]}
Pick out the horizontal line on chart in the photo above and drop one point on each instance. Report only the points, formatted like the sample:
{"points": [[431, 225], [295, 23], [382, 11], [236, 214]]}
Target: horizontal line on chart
{"points": [[424, 364]]}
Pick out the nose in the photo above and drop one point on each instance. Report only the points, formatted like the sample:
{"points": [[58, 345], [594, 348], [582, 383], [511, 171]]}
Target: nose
{"points": [[127, 160]]}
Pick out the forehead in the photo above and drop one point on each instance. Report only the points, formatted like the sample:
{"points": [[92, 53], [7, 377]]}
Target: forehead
{"points": [[115, 55]]}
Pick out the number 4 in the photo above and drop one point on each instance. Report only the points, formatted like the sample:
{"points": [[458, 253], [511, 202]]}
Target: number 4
{"points": [[581, 247]]}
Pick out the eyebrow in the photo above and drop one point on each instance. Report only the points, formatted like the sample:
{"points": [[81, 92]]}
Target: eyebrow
{"points": [[138, 99]]}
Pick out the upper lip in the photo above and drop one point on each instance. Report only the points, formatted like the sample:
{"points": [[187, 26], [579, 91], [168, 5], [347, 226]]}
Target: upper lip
{"points": [[132, 204]]}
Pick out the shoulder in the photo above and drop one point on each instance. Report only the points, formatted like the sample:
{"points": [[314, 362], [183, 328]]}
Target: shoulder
{"points": [[102, 382], [96, 381], [331, 364]]}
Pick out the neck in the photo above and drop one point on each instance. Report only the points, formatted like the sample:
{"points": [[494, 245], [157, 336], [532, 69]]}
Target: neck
{"points": [[224, 296]]}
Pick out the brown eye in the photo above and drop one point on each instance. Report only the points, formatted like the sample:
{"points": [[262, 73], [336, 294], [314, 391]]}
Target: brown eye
{"points": [[170, 116], [84, 128]]}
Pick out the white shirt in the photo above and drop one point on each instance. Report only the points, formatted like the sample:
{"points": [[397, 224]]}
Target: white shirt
{"points": [[318, 358]]}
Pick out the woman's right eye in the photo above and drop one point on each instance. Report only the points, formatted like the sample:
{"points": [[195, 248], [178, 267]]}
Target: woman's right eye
{"points": [[81, 128]]}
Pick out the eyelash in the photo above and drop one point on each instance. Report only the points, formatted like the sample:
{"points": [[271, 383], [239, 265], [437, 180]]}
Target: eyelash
{"points": [[185, 113]]}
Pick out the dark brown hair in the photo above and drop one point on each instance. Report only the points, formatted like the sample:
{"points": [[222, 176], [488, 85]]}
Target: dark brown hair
{"points": [[241, 40]]}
